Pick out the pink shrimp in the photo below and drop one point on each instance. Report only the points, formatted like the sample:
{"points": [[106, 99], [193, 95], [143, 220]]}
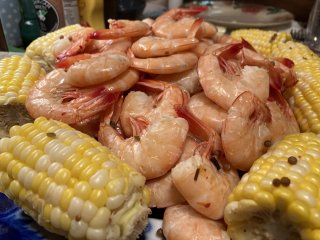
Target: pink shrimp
{"points": [[223, 78], [163, 192], [246, 134], [207, 111], [189, 80], [177, 22], [139, 103], [52, 97], [182, 222], [174, 63], [122, 28], [155, 148]]}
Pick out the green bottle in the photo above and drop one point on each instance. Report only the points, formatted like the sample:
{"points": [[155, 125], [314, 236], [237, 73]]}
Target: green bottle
{"points": [[29, 23]]}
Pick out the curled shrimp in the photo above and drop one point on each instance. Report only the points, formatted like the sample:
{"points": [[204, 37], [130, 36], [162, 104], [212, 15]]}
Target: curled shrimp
{"points": [[207, 111], [163, 192], [177, 22], [98, 69], [204, 187], [52, 97], [152, 46], [174, 63], [152, 108], [223, 78], [152, 151], [246, 134], [189, 80], [122, 28], [182, 222]]}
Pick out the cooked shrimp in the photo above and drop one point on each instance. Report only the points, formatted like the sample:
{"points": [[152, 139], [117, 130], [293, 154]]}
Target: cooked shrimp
{"points": [[123, 82], [181, 222], [245, 134], [283, 120], [52, 97], [152, 46], [202, 46], [138, 103], [73, 44], [119, 44], [163, 192], [177, 22], [122, 28], [174, 63], [189, 80], [207, 111], [148, 21], [204, 187], [224, 80], [96, 70], [154, 151]]}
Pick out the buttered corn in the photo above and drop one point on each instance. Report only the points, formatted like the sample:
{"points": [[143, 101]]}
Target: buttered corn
{"points": [[70, 184], [279, 197], [17, 75]]}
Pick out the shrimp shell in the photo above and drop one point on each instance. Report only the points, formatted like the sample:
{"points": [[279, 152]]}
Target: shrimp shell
{"points": [[98, 69], [152, 46], [52, 97], [175, 63]]}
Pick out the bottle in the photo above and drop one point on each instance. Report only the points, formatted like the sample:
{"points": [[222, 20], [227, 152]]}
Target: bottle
{"points": [[29, 23], [55, 14]]}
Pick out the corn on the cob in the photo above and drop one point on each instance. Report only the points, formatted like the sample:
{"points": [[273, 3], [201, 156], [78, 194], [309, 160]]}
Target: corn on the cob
{"points": [[304, 98], [263, 41], [71, 184], [279, 197], [17, 75], [40, 48]]}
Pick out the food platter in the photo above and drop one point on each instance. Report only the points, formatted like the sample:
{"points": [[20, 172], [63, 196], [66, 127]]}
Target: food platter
{"points": [[243, 15]]}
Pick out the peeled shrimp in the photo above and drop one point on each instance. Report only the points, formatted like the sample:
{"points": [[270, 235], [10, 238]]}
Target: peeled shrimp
{"points": [[122, 28], [204, 187], [177, 22], [207, 111], [181, 222], [154, 151], [189, 80], [223, 81], [138, 103], [52, 97], [174, 63], [96, 70], [163, 192], [246, 134]]}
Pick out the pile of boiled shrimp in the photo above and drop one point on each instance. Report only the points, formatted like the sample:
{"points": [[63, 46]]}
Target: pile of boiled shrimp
{"points": [[187, 108]]}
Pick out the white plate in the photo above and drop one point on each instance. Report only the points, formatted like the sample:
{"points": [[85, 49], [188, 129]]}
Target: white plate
{"points": [[242, 15]]}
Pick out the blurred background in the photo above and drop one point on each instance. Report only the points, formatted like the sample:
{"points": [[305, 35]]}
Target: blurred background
{"points": [[21, 21]]}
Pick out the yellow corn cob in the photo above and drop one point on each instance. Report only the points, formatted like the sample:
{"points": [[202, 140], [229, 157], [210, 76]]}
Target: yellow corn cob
{"points": [[70, 184], [17, 75], [263, 41], [40, 48], [279, 197], [304, 98]]}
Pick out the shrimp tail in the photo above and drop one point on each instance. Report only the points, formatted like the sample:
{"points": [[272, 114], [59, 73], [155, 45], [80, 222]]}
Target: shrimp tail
{"points": [[275, 78], [247, 45], [192, 11], [195, 27], [76, 48], [275, 95]]}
